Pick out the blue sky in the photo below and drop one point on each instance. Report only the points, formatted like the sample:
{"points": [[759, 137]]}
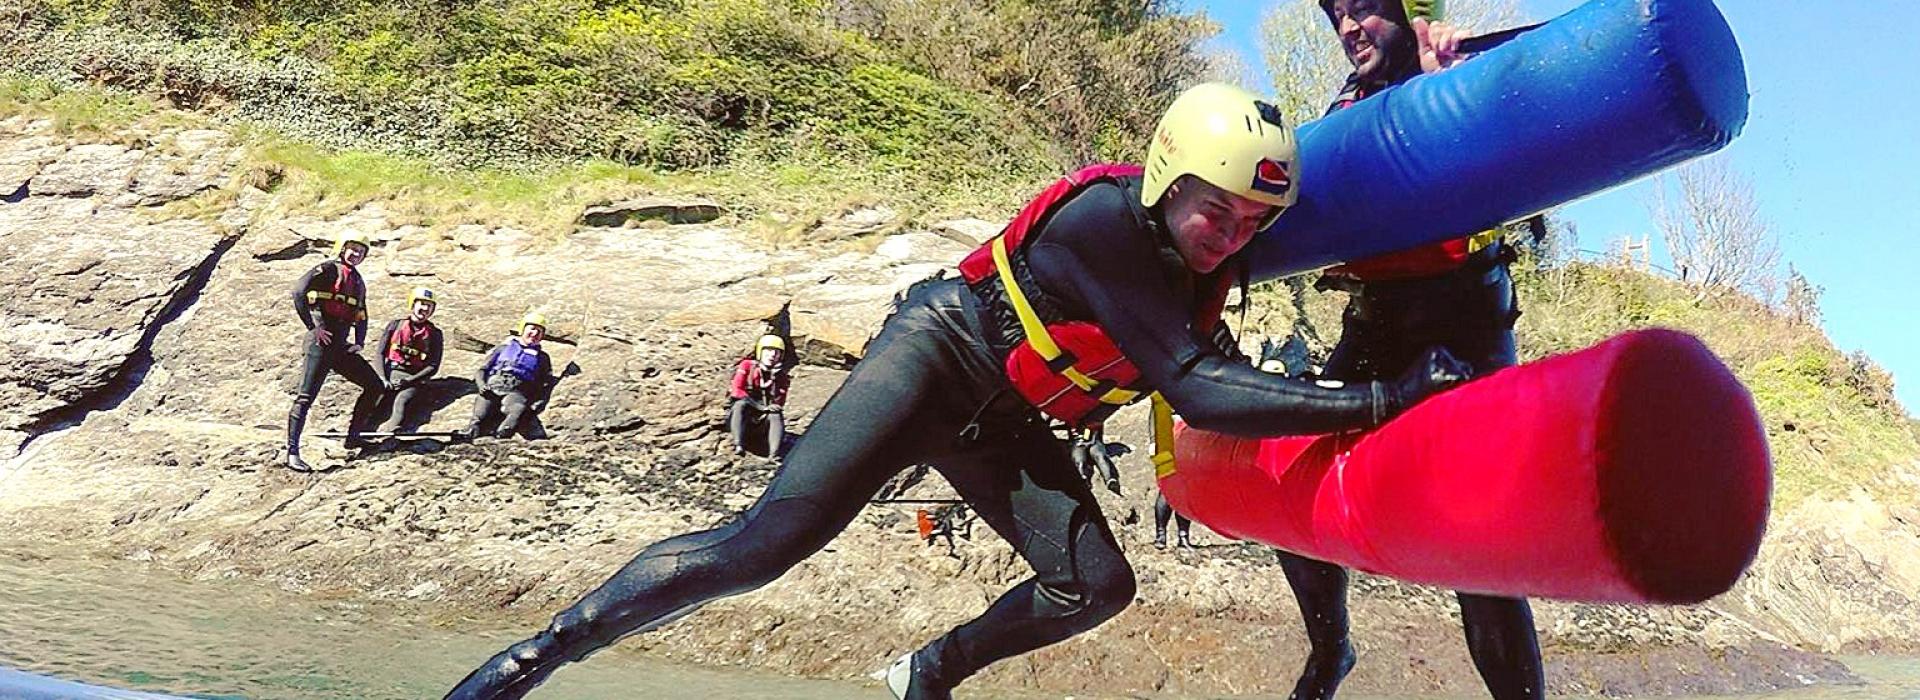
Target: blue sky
{"points": [[1831, 144]]}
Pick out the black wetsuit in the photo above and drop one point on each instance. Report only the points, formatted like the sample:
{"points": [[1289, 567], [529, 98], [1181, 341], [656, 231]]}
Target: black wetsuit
{"points": [[333, 356], [1387, 325], [931, 390], [403, 385], [1090, 456], [510, 396]]}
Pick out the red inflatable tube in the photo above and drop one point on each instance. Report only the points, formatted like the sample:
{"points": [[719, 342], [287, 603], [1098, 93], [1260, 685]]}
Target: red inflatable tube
{"points": [[1633, 471]]}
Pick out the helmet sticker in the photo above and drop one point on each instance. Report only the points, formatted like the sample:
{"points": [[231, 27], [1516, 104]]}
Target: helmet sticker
{"points": [[1271, 176]]}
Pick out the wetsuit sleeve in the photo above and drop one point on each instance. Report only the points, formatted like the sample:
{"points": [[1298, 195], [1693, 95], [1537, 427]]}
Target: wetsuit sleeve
{"points": [[360, 326], [480, 375], [386, 344], [1094, 252], [308, 313], [436, 342], [781, 381], [543, 388]]}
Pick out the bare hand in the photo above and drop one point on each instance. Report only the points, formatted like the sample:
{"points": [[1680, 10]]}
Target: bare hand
{"points": [[1439, 44], [321, 336]]}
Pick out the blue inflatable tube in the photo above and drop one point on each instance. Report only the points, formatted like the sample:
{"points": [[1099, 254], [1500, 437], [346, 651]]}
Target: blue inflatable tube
{"points": [[20, 685], [1605, 94]]}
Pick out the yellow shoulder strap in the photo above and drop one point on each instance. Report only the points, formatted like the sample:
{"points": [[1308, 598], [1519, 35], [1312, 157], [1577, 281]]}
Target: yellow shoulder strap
{"points": [[1036, 331], [1162, 437], [1481, 240]]}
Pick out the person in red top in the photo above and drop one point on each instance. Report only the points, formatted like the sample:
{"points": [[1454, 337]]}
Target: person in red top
{"points": [[410, 350], [759, 395], [1455, 295]]}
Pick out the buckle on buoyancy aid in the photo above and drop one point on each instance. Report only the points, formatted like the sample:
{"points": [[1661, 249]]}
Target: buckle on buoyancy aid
{"points": [[315, 296], [1062, 363]]}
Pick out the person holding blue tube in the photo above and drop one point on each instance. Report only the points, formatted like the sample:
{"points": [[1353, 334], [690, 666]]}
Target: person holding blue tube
{"points": [[1457, 295]]}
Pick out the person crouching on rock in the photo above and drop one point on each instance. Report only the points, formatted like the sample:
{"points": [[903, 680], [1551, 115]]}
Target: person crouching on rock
{"points": [[330, 300], [410, 351], [1103, 290], [759, 395], [516, 378]]}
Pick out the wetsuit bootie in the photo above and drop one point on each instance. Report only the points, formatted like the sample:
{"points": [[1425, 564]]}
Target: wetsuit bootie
{"points": [[910, 679], [1160, 540], [295, 463], [1184, 542], [1323, 673]]}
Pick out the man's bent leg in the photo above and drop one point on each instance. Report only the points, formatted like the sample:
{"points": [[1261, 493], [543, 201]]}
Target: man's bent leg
{"points": [[1030, 493]]}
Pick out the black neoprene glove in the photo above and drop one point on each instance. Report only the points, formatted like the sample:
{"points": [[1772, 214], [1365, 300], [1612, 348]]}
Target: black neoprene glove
{"points": [[1436, 371]]}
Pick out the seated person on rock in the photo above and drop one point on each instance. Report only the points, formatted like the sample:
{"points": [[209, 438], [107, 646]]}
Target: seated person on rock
{"points": [[516, 377], [759, 393], [410, 351]]}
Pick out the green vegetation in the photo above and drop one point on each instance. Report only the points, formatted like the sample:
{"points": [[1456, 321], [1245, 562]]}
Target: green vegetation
{"points": [[1832, 421], [520, 112], [88, 113], [944, 91]]}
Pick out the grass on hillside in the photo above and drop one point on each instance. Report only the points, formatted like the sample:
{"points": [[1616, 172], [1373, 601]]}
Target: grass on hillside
{"points": [[777, 200]]}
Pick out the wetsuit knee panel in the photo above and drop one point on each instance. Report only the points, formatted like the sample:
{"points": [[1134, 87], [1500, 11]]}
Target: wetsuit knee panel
{"points": [[1097, 592]]}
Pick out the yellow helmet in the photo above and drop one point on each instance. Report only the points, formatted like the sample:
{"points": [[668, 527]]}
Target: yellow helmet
{"points": [[354, 237], [533, 318], [423, 294], [770, 341], [1227, 137]]}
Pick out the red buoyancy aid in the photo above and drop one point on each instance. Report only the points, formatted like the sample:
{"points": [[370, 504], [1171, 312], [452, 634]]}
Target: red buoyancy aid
{"points": [[1070, 370], [408, 346], [344, 302]]}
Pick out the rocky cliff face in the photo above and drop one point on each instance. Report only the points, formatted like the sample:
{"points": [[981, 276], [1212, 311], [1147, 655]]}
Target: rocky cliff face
{"points": [[149, 358]]}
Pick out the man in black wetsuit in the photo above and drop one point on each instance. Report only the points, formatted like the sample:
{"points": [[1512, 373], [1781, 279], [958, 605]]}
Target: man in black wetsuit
{"points": [[1455, 295], [1104, 289], [330, 300]]}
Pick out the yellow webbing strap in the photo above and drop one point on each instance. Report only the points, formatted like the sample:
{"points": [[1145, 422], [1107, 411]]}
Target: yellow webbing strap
{"points": [[348, 299], [1036, 331], [1479, 241], [1162, 437]]}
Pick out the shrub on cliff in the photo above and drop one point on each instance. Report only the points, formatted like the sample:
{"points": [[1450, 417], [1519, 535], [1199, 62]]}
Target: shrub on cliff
{"points": [[889, 85]]}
